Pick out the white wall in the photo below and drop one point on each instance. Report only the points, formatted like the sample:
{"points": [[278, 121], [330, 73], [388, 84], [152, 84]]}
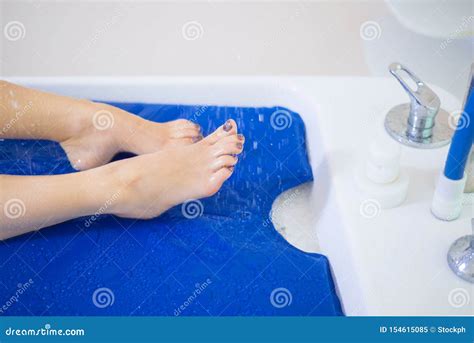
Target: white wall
{"points": [[245, 38]]}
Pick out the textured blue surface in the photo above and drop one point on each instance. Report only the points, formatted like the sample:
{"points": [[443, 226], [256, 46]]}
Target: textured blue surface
{"points": [[227, 261]]}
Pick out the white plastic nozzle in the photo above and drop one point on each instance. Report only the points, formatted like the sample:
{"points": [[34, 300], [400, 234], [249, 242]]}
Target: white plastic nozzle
{"points": [[381, 178], [447, 199], [383, 161]]}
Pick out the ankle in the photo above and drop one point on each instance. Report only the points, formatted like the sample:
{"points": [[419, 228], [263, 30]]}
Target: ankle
{"points": [[110, 191]]}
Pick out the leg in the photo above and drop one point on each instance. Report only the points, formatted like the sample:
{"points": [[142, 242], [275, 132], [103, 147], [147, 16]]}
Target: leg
{"points": [[141, 187], [90, 133]]}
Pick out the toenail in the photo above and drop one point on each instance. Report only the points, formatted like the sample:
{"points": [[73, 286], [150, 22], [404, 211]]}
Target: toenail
{"points": [[197, 138], [240, 137], [227, 126], [239, 145]]}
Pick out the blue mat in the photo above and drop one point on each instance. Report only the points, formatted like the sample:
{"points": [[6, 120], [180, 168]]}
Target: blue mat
{"points": [[217, 256]]}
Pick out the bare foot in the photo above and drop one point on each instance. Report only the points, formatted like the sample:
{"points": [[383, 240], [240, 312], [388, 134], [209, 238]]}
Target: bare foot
{"points": [[150, 184], [107, 130]]}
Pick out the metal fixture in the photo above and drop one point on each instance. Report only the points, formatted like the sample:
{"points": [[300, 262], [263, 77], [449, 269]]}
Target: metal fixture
{"points": [[461, 256], [420, 123]]}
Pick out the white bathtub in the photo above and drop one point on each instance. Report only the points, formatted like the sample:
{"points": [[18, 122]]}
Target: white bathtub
{"points": [[391, 264]]}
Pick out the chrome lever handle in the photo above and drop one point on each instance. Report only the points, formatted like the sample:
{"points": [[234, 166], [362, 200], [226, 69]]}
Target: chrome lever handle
{"points": [[424, 104], [414, 124]]}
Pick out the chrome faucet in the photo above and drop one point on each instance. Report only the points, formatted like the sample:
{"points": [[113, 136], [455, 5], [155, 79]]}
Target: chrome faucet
{"points": [[422, 123]]}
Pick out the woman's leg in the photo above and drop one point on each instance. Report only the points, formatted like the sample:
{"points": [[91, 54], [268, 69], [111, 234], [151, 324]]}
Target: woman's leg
{"points": [[141, 187], [90, 133]]}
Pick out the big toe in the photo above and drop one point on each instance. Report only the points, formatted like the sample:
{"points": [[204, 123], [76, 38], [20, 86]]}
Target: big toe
{"points": [[227, 129]]}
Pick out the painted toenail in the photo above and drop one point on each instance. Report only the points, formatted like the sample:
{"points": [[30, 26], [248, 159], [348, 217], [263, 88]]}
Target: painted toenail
{"points": [[239, 145], [227, 126], [240, 137], [197, 138]]}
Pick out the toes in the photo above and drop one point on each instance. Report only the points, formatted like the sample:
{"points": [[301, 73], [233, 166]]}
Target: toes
{"points": [[223, 162], [185, 124], [196, 139], [217, 179], [183, 128], [229, 145], [229, 128], [186, 132]]}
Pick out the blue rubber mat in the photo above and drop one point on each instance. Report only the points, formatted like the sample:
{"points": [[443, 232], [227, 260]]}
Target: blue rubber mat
{"points": [[216, 256]]}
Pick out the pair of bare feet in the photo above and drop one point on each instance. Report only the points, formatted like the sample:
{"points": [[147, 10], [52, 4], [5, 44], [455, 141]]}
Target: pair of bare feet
{"points": [[175, 162]]}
